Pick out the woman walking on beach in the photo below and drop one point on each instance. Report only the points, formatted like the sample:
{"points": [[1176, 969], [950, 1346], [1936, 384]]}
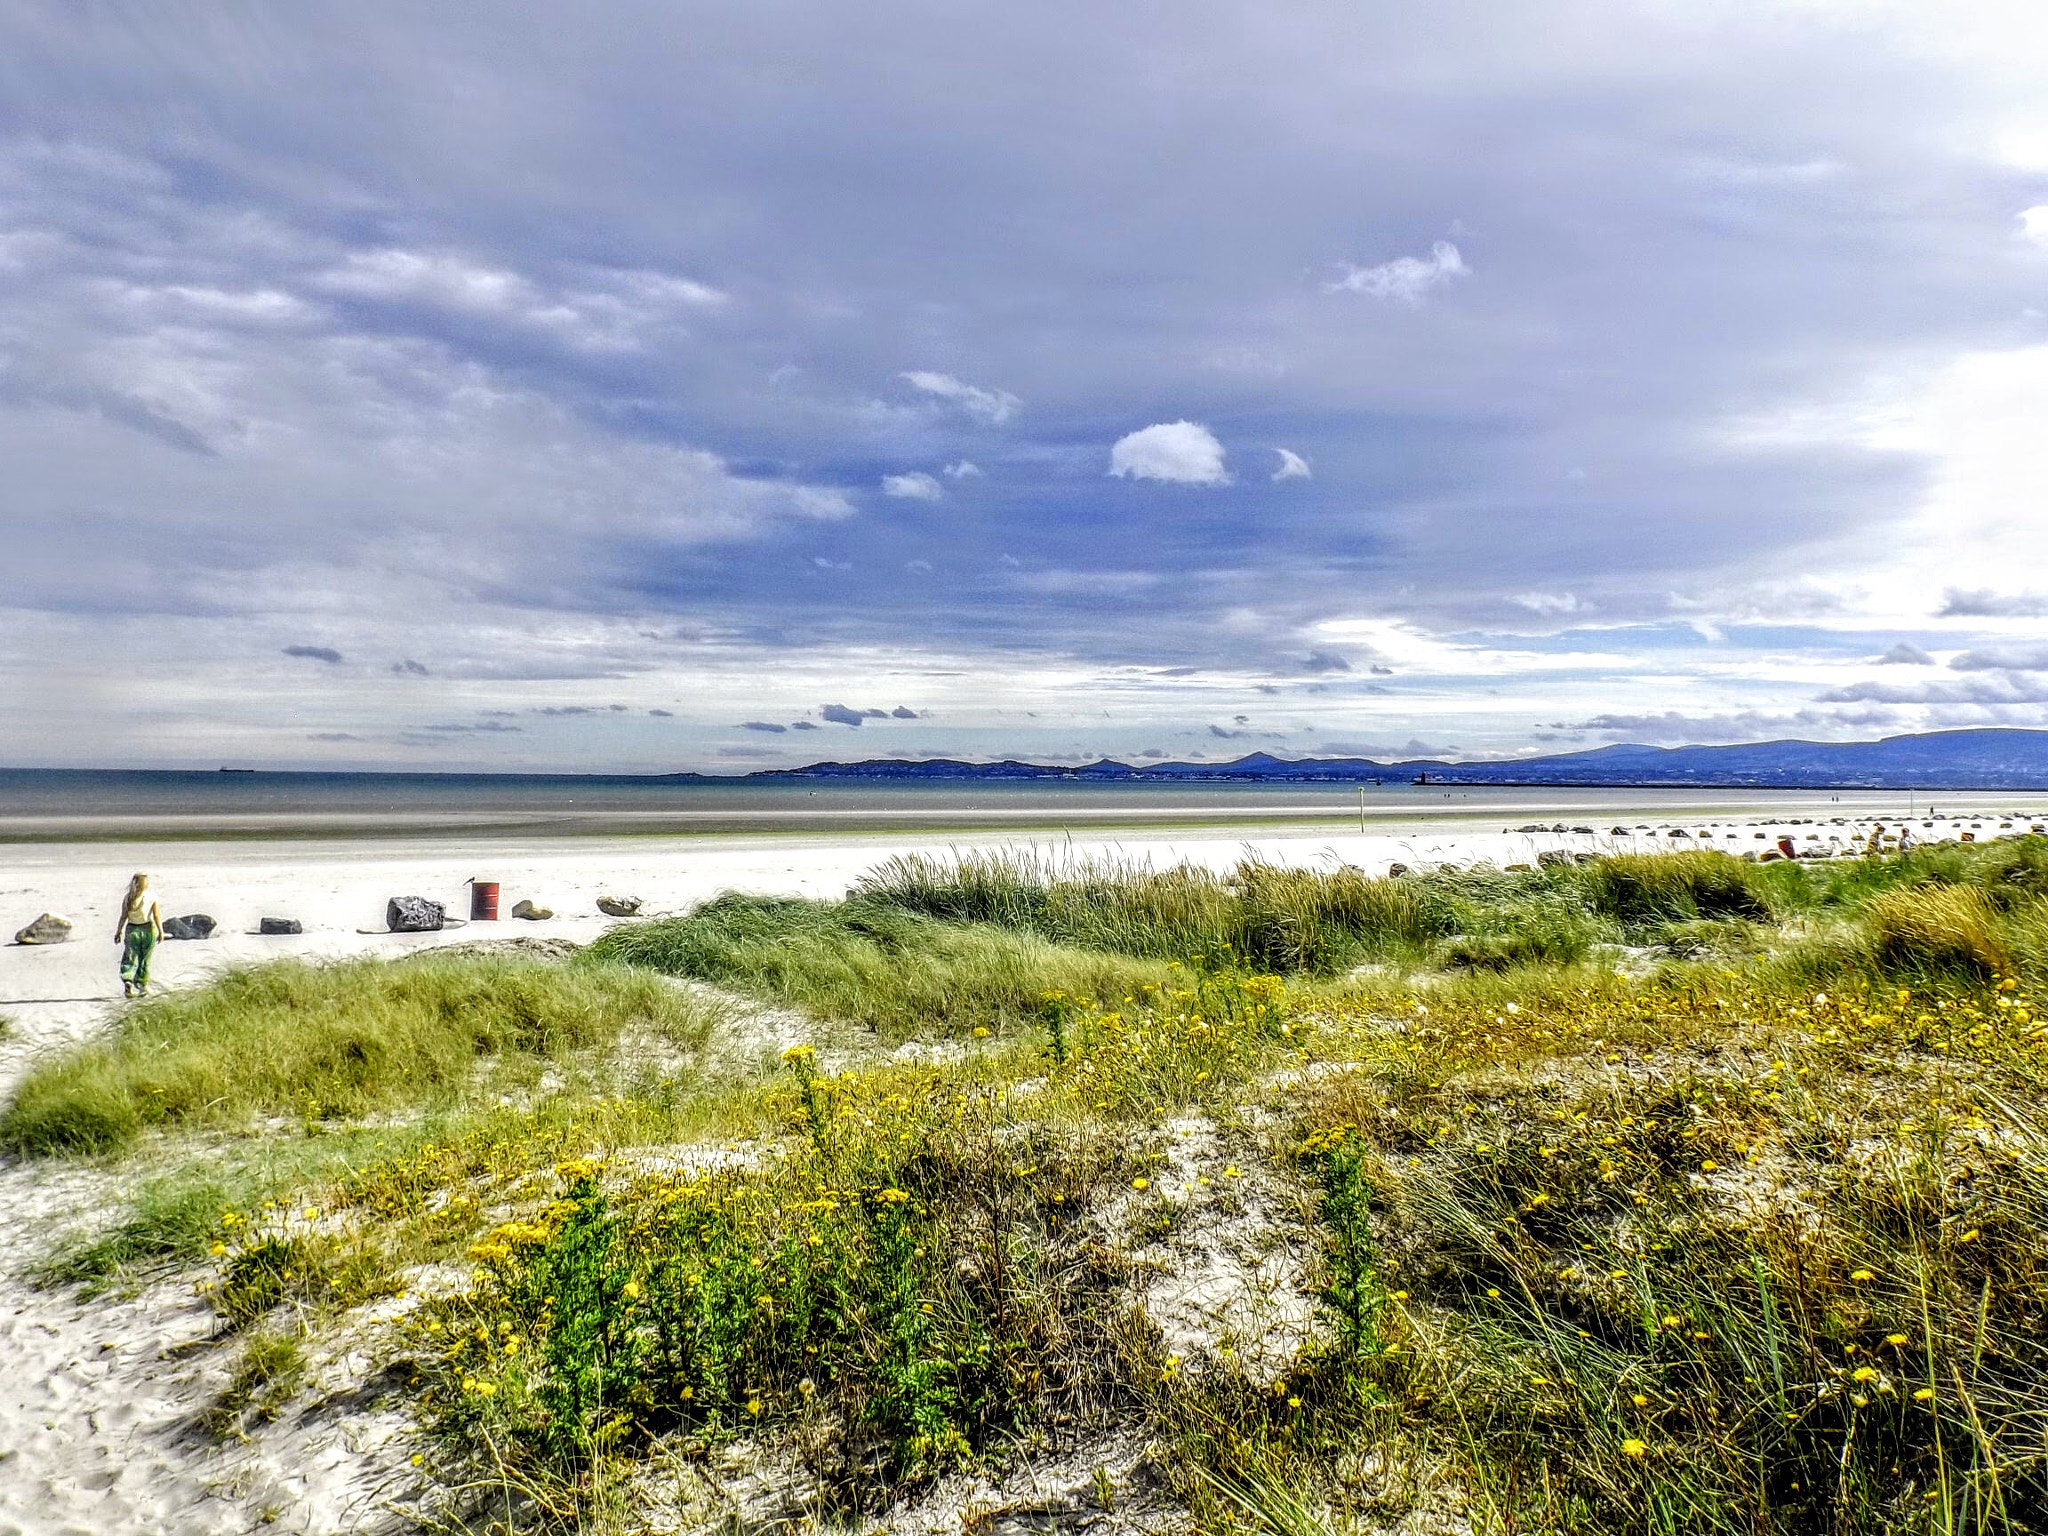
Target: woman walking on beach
{"points": [[138, 931]]}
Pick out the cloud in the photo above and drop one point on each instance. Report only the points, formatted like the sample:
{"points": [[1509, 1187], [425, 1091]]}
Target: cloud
{"points": [[1292, 466], [1548, 604], [409, 668], [295, 365], [2033, 223], [768, 726], [994, 406], [839, 714], [1905, 655], [903, 712], [334, 736], [1223, 735], [1407, 279], [914, 486], [1326, 661], [1983, 603], [2002, 688], [314, 653], [963, 469], [1184, 452], [662, 714], [1413, 747], [803, 725], [2027, 658]]}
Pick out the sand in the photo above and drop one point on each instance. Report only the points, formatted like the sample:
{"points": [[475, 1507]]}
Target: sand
{"points": [[99, 1399]]}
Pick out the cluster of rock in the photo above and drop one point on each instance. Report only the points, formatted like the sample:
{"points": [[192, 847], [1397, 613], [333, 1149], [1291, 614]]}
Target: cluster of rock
{"points": [[402, 914]]}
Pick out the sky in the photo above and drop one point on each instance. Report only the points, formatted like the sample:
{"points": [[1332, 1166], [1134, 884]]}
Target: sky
{"points": [[723, 386]]}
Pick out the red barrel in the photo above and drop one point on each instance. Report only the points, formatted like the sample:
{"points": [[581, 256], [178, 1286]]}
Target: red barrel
{"points": [[483, 901]]}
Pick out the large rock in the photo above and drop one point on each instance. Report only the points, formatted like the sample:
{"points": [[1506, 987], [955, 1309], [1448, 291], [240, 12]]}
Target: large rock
{"points": [[196, 926], [532, 911], [619, 906], [279, 925], [46, 929], [1396, 871], [414, 914], [1553, 858]]}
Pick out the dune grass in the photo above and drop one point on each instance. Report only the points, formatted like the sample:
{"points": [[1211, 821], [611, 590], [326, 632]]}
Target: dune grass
{"points": [[1746, 1242], [1264, 915], [873, 964], [324, 1042]]}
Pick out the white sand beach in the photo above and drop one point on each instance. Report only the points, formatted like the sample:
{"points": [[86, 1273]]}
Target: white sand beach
{"points": [[98, 1399]]}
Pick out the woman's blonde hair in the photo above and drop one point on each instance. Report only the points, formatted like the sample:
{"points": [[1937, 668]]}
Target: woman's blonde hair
{"points": [[135, 889]]}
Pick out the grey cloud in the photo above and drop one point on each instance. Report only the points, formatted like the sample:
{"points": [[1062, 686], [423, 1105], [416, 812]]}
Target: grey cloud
{"points": [[763, 725], [1413, 747], [335, 291], [1326, 661], [409, 668], [565, 709], [2002, 688], [803, 725], [1984, 603], [662, 714], [2030, 658], [839, 714], [1905, 655], [903, 712], [487, 728], [314, 653], [334, 736]]}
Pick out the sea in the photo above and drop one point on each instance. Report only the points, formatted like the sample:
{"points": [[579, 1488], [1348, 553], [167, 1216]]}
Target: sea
{"points": [[65, 804]]}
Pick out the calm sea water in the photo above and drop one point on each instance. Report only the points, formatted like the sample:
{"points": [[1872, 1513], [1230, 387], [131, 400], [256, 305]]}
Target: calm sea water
{"points": [[62, 803]]}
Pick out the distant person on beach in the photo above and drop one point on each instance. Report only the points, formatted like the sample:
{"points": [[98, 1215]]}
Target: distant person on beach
{"points": [[140, 927]]}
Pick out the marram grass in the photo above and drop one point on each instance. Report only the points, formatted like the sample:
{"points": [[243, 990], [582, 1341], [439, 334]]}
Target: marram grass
{"points": [[873, 964], [330, 1041]]}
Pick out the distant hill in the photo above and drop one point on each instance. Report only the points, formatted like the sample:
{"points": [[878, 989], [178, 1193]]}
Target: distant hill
{"points": [[1976, 759]]}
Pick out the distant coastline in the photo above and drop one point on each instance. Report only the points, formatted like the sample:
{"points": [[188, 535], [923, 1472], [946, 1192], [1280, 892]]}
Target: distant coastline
{"points": [[1991, 758]]}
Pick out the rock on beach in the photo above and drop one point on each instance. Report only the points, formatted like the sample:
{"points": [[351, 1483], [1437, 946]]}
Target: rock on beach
{"points": [[49, 928]]}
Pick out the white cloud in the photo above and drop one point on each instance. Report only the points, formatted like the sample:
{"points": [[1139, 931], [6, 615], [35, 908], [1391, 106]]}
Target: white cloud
{"points": [[1548, 603], [965, 469], [1406, 278], [1292, 466], [610, 314], [994, 406], [1181, 451], [915, 486], [2034, 223]]}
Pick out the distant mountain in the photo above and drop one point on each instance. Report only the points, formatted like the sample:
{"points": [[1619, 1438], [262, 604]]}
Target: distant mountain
{"points": [[1980, 759]]}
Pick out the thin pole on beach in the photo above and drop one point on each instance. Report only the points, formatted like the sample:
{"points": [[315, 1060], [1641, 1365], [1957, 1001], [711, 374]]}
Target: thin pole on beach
{"points": [[1361, 810]]}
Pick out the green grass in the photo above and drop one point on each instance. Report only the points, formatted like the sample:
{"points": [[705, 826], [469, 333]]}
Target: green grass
{"points": [[1666, 1251], [322, 1042], [170, 1218], [873, 964], [1267, 916]]}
